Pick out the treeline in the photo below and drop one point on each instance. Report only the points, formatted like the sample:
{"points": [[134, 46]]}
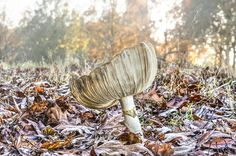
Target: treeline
{"points": [[203, 30]]}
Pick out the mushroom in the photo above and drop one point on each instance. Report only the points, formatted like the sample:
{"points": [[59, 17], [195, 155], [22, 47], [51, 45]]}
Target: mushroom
{"points": [[126, 75]]}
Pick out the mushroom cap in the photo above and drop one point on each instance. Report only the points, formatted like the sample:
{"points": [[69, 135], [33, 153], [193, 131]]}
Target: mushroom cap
{"points": [[128, 73]]}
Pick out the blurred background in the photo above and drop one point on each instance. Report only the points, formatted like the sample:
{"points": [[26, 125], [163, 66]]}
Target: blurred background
{"points": [[197, 32]]}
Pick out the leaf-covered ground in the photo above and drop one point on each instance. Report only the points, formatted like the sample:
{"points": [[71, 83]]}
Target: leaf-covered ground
{"points": [[185, 112]]}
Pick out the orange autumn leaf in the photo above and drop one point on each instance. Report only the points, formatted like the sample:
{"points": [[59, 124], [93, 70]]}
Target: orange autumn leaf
{"points": [[38, 106], [39, 90], [162, 136], [68, 141], [52, 145], [166, 149], [160, 149]]}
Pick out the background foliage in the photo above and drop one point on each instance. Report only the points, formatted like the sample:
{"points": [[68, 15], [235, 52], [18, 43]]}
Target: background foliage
{"points": [[203, 33]]}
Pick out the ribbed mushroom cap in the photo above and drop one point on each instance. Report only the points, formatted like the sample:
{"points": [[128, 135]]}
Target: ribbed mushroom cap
{"points": [[126, 74]]}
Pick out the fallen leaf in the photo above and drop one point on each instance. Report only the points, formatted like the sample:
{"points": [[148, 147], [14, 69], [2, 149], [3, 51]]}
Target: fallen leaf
{"points": [[219, 143], [177, 102], [39, 90], [52, 145], [61, 102], [160, 149], [48, 131], [87, 115], [204, 137], [195, 97], [38, 107], [117, 148], [55, 115], [129, 138]]}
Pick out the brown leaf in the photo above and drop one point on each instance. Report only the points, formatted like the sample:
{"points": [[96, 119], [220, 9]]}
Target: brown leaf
{"points": [[174, 140], [232, 123], [87, 115], [166, 150], [55, 115], [61, 102], [204, 137], [20, 94], [1, 120], [195, 97], [52, 145], [177, 102], [162, 136], [160, 149], [129, 138], [153, 96], [38, 107], [182, 91], [196, 117], [92, 152], [68, 141], [218, 142], [194, 87]]}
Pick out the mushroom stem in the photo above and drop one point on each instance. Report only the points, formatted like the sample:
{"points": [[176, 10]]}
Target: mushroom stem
{"points": [[130, 115]]}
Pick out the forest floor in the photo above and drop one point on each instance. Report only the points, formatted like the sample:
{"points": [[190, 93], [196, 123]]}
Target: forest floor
{"points": [[186, 111]]}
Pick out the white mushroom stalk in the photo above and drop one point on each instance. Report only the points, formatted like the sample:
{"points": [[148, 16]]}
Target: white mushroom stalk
{"points": [[130, 115], [127, 74]]}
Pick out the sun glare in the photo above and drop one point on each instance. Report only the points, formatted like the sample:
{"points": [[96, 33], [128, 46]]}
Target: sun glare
{"points": [[160, 15], [15, 9], [158, 12]]}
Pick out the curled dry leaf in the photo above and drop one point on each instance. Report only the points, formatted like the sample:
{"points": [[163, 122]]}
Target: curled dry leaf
{"points": [[204, 137], [219, 143], [160, 149], [39, 90], [152, 96], [48, 131], [232, 123], [195, 97], [117, 148], [54, 145], [38, 107], [177, 102], [61, 102], [1, 120], [55, 115], [87, 115], [129, 138]]}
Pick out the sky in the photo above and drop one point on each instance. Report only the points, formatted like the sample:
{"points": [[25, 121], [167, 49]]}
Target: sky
{"points": [[158, 12], [16, 8]]}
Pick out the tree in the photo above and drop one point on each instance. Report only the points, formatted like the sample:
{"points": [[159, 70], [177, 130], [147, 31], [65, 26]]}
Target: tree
{"points": [[111, 32], [43, 30], [209, 23], [9, 40]]}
